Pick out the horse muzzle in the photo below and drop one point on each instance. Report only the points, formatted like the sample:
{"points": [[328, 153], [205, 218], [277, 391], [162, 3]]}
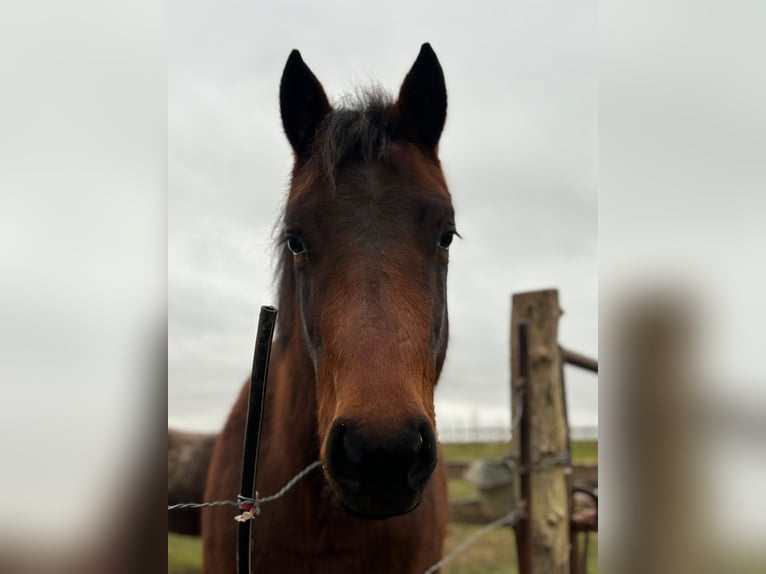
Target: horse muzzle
{"points": [[380, 476]]}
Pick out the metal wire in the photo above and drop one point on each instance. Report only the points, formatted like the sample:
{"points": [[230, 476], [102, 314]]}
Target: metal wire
{"points": [[545, 463], [255, 502], [552, 461], [282, 491], [509, 519], [185, 505]]}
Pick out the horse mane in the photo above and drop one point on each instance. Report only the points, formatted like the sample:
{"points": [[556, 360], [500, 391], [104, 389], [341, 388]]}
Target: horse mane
{"points": [[359, 128]]}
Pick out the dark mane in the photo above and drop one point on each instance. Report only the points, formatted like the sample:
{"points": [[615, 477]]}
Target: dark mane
{"points": [[359, 128]]}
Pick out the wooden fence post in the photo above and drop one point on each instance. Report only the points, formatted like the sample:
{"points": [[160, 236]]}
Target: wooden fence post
{"points": [[540, 444]]}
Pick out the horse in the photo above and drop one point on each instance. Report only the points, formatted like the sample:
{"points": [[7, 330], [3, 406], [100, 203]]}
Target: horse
{"points": [[360, 341]]}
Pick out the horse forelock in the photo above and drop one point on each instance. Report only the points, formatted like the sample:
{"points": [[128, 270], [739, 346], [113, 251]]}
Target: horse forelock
{"points": [[360, 127]]}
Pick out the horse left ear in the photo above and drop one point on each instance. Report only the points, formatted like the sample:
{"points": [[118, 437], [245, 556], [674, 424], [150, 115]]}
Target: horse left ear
{"points": [[302, 102], [423, 101]]}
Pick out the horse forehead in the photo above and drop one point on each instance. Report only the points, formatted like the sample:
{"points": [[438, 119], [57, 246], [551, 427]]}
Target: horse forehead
{"points": [[369, 202], [405, 172], [383, 189], [404, 175], [370, 184], [375, 199]]}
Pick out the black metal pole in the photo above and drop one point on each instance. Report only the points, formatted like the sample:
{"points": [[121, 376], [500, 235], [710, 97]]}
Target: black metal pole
{"points": [[525, 454], [266, 322]]}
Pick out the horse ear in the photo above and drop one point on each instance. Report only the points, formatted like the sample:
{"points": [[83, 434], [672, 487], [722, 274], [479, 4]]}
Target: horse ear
{"points": [[302, 102], [423, 101]]}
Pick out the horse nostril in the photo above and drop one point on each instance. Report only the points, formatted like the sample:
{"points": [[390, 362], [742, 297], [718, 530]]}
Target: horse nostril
{"points": [[425, 458], [351, 448], [342, 461], [415, 441]]}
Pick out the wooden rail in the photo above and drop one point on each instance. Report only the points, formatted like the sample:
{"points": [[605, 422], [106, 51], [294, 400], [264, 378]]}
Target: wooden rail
{"points": [[578, 360]]}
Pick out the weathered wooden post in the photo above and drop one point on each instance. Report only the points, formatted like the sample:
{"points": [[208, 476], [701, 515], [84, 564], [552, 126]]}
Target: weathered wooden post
{"points": [[540, 444]]}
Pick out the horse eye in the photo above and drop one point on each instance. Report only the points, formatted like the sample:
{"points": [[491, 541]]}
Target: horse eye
{"points": [[446, 239], [296, 246]]}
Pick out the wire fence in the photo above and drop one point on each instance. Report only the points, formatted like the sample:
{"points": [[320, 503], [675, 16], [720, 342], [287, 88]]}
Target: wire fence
{"points": [[251, 507], [509, 519]]}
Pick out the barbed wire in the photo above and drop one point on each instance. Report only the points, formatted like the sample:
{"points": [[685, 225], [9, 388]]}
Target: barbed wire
{"points": [[185, 505], [509, 519], [251, 508], [551, 461], [545, 463], [250, 504]]}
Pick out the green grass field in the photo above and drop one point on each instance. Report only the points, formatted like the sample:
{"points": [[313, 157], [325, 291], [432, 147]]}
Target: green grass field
{"points": [[494, 553], [582, 450]]}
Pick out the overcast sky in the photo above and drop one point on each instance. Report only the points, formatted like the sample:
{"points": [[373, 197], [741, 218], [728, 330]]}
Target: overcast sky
{"points": [[519, 151]]}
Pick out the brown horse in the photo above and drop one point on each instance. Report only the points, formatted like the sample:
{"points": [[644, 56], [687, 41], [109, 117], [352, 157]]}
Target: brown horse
{"points": [[361, 340]]}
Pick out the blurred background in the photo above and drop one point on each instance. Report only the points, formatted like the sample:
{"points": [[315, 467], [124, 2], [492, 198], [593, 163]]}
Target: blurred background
{"points": [[519, 152]]}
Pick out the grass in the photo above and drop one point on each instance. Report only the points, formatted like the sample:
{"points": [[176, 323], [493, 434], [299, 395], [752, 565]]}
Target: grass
{"points": [[582, 450], [460, 489], [494, 553], [585, 450], [184, 554]]}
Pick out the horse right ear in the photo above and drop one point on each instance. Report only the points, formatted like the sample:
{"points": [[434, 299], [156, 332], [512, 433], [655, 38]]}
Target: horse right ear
{"points": [[423, 101], [302, 102]]}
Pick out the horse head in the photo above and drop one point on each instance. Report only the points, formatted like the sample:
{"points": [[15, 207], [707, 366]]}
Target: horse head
{"points": [[365, 239]]}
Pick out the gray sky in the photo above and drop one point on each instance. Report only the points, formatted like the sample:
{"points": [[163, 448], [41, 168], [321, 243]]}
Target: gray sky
{"points": [[519, 151]]}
